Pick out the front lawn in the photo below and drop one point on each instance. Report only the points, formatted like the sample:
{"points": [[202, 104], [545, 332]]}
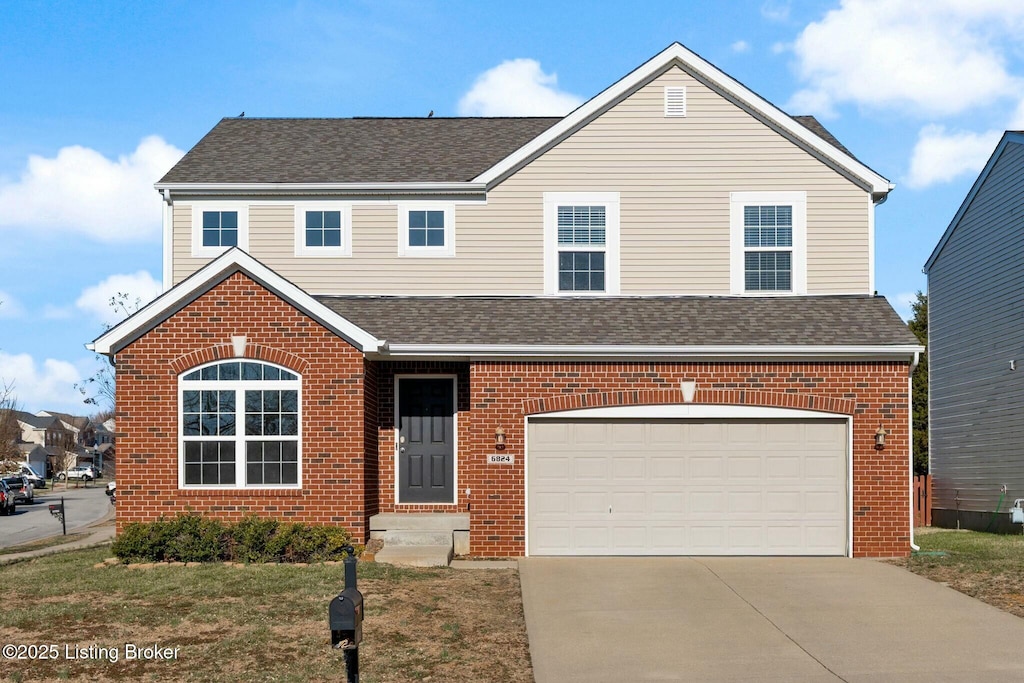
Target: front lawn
{"points": [[259, 622], [989, 567]]}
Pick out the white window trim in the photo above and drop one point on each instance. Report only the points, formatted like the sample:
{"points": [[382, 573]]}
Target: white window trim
{"points": [[197, 227], [737, 201], [610, 200], [448, 250], [301, 249], [239, 386]]}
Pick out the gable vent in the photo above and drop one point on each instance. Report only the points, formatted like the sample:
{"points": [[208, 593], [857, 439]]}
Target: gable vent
{"points": [[675, 100]]}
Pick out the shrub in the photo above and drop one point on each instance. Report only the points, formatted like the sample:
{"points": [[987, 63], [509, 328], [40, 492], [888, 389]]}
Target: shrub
{"points": [[194, 538]]}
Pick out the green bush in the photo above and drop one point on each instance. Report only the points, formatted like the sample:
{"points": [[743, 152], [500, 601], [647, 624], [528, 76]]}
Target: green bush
{"points": [[194, 538]]}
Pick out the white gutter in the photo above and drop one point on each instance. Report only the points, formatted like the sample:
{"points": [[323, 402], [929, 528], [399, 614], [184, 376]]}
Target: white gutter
{"points": [[910, 432], [636, 351], [284, 188]]}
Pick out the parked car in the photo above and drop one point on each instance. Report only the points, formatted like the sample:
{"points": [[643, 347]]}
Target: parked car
{"points": [[82, 472], [37, 480], [112, 491], [7, 502], [21, 487]]}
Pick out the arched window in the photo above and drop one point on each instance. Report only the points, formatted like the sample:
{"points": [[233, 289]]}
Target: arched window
{"points": [[240, 426]]}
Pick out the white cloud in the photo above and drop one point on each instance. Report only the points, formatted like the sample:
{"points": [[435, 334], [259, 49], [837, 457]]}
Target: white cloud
{"points": [[9, 306], [517, 87], [775, 10], [82, 191], [932, 57], [36, 387], [740, 46], [1017, 120], [140, 287], [941, 156]]}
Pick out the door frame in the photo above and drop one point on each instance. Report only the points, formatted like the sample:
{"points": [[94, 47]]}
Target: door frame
{"points": [[694, 411], [455, 434]]}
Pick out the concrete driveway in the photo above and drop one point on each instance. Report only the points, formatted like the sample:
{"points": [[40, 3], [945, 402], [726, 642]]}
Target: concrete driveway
{"points": [[758, 619]]}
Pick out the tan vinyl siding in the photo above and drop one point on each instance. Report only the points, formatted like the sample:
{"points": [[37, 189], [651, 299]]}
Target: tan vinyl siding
{"points": [[674, 176]]}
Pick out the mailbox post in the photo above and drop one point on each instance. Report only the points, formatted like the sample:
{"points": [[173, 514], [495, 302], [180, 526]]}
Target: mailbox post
{"points": [[58, 512], [345, 616]]}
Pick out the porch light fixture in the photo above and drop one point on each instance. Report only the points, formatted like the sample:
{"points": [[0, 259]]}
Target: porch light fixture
{"points": [[238, 344], [880, 438], [689, 388], [499, 439]]}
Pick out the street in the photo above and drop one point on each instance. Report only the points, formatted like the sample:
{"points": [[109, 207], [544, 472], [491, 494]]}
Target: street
{"points": [[83, 506]]}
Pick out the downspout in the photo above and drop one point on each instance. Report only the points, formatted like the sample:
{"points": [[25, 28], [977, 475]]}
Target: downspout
{"points": [[910, 433]]}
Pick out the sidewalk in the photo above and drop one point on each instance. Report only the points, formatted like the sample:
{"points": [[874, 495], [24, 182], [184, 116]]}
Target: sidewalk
{"points": [[100, 532]]}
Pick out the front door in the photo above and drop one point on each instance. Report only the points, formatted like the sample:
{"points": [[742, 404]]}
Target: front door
{"points": [[426, 440]]}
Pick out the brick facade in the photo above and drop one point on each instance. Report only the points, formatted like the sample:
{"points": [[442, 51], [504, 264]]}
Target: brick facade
{"points": [[348, 447], [334, 487]]}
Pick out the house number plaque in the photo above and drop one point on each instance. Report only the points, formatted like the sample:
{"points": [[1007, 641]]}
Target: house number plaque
{"points": [[500, 459]]}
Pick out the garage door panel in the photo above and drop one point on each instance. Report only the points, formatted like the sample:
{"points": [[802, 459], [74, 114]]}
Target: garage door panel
{"points": [[714, 487]]}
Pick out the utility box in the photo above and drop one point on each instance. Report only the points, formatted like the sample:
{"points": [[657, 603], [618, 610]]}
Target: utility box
{"points": [[345, 614], [1017, 511]]}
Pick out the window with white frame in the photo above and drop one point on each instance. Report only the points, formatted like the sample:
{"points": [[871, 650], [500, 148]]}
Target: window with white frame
{"points": [[426, 230], [240, 426], [768, 238], [216, 227], [323, 229], [581, 242]]}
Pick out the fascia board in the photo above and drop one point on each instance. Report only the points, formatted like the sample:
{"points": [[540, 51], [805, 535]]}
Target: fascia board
{"points": [[298, 188], [628, 351], [1008, 137], [231, 261], [676, 52]]}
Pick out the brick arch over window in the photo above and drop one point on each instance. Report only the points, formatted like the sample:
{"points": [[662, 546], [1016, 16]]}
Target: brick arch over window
{"points": [[740, 397], [227, 352]]}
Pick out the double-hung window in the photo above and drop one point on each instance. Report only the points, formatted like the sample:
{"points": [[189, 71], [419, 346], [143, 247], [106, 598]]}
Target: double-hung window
{"points": [[216, 227], [426, 229], [581, 242], [768, 236], [240, 426], [323, 229]]}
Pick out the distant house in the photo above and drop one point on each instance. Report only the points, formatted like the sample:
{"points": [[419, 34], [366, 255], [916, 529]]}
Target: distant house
{"points": [[648, 327], [976, 349]]}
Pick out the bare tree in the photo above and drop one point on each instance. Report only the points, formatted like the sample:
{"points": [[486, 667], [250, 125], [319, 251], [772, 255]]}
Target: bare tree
{"points": [[66, 456], [10, 430], [99, 389]]}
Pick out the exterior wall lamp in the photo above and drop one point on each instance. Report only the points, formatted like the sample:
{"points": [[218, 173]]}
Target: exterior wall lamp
{"points": [[880, 438], [499, 439]]}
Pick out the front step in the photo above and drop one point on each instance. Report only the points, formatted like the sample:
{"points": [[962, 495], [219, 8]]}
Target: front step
{"points": [[421, 539]]}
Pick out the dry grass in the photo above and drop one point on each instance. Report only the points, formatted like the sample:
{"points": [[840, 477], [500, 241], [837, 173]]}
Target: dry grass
{"points": [[262, 622], [989, 567]]}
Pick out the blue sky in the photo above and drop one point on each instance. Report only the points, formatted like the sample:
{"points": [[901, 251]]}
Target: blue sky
{"points": [[99, 99]]}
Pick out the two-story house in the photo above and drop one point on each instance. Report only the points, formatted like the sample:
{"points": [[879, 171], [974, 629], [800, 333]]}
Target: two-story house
{"points": [[976, 350], [647, 327]]}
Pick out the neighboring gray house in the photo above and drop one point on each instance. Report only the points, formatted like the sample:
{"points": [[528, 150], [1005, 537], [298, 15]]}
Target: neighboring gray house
{"points": [[976, 349]]}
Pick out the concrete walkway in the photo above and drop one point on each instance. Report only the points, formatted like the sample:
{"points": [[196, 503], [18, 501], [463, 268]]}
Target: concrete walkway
{"points": [[758, 619], [98, 533]]}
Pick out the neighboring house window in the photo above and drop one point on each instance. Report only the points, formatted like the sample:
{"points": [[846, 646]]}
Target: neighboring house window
{"points": [[581, 242], [769, 242], [239, 426], [323, 229], [218, 227], [426, 230]]}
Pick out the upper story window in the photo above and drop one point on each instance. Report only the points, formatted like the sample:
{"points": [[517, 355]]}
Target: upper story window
{"points": [[323, 229], [219, 226], [240, 424], [581, 242], [426, 230], [768, 238]]}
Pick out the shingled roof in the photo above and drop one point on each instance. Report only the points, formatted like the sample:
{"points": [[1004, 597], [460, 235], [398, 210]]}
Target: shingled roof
{"points": [[358, 150], [642, 321], [365, 150]]}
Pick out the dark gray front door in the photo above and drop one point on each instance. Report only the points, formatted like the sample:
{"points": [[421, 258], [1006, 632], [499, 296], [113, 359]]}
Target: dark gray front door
{"points": [[426, 440]]}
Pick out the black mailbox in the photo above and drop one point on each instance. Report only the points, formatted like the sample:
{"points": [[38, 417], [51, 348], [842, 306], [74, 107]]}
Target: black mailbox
{"points": [[345, 614]]}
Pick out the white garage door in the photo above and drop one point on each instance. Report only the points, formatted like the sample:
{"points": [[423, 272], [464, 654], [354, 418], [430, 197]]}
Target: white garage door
{"points": [[687, 487]]}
